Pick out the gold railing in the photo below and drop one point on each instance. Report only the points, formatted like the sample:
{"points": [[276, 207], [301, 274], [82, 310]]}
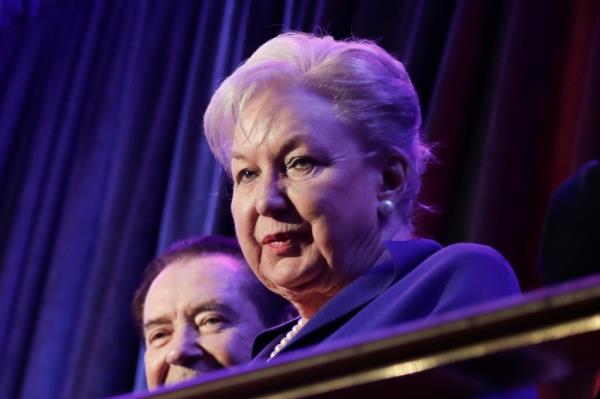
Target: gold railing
{"points": [[547, 335]]}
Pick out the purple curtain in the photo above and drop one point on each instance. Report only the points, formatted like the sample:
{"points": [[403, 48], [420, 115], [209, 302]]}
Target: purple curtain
{"points": [[103, 164]]}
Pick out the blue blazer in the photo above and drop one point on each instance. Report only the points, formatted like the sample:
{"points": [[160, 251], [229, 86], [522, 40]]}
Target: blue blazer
{"points": [[421, 281]]}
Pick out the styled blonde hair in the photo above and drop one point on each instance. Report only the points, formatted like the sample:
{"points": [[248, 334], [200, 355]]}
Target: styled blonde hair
{"points": [[370, 92]]}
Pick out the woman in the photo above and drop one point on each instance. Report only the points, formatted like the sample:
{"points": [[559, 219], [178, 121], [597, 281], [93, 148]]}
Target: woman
{"points": [[321, 139]]}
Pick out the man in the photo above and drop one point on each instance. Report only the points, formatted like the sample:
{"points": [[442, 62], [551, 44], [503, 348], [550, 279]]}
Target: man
{"points": [[199, 308], [569, 251], [571, 230]]}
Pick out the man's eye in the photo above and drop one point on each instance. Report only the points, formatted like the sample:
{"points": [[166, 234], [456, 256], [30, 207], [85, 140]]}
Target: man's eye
{"points": [[156, 338], [211, 323], [213, 320]]}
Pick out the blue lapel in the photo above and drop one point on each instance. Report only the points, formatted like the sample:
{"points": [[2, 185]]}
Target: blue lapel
{"points": [[406, 256]]}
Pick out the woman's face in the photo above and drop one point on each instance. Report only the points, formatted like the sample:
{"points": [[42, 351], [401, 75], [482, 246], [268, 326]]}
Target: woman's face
{"points": [[305, 198]]}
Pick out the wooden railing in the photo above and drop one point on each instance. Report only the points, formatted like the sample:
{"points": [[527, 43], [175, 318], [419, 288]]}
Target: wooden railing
{"points": [[547, 335]]}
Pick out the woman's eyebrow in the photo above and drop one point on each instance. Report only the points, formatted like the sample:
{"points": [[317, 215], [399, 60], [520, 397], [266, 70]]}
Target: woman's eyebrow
{"points": [[291, 143], [238, 156]]}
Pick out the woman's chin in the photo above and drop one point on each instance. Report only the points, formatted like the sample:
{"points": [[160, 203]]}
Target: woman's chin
{"points": [[295, 280]]}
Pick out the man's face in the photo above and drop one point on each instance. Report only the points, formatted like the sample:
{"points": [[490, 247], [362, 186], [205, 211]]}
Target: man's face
{"points": [[198, 318]]}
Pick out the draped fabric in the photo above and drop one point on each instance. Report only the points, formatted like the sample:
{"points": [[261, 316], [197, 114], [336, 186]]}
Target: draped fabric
{"points": [[103, 164], [11, 9]]}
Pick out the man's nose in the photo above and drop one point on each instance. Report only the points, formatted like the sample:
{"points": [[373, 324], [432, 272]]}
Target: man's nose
{"points": [[184, 349], [270, 196]]}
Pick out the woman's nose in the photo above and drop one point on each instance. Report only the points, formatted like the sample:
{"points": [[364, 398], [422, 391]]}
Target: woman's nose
{"points": [[270, 197], [184, 349]]}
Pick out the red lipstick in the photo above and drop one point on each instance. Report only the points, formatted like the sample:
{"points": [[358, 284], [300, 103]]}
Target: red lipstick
{"points": [[280, 243]]}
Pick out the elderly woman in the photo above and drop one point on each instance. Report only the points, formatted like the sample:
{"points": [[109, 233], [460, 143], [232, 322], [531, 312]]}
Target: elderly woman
{"points": [[321, 139]]}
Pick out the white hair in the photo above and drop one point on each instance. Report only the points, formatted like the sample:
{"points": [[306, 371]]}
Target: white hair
{"points": [[370, 91]]}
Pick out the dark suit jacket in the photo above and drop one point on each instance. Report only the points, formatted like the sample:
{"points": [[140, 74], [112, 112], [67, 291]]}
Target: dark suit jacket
{"points": [[423, 280], [571, 231]]}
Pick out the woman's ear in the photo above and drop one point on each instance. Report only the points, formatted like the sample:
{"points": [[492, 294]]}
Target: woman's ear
{"points": [[393, 169]]}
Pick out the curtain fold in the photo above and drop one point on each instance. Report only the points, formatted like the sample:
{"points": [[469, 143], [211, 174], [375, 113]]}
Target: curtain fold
{"points": [[103, 163]]}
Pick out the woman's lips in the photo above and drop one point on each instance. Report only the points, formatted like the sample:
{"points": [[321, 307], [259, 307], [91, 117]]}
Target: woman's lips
{"points": [[281, 243]]}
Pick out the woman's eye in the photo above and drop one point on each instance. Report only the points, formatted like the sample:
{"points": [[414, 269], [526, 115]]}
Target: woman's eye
{"points": [[246, 175], [300, 166]]}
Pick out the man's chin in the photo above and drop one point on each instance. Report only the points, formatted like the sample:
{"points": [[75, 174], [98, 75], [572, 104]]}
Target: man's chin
{"points": [[181, 375]]}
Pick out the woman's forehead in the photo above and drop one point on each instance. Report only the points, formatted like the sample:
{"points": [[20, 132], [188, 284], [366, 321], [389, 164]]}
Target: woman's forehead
{"points": [[290, 108]]}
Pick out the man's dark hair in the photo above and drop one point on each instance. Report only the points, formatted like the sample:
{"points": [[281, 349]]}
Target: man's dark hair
{"points": [[271, 308]]}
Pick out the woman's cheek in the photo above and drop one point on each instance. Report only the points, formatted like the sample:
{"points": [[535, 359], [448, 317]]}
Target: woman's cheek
{"points": [[250, 249]]}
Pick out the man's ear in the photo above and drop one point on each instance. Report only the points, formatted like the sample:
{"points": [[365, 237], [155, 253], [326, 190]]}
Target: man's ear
{"points": [[393, 169]]}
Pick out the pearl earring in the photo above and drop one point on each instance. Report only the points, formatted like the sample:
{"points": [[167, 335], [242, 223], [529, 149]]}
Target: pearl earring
{"points": [[386, 208]]}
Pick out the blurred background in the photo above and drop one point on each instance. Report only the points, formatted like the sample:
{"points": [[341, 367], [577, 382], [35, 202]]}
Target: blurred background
{"points": [[103, 162]]}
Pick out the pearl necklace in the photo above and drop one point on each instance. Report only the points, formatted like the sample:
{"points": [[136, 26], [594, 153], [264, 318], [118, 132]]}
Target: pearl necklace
{"points": [[288, 337]]}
